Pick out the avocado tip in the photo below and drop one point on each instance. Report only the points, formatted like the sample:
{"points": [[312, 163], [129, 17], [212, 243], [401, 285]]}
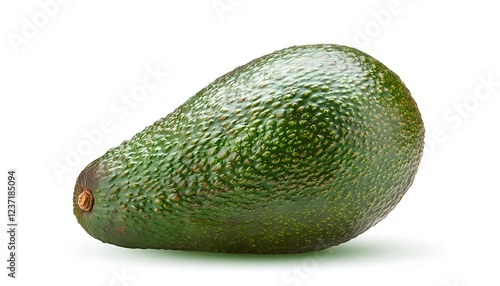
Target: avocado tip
{"points": [[86, 200]]}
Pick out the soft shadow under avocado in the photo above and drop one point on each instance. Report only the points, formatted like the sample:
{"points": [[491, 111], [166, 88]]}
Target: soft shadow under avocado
{"points": [[361, 250]]}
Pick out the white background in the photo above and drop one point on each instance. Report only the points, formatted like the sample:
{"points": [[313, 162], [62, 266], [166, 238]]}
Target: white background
{"points": [[67, 67]]}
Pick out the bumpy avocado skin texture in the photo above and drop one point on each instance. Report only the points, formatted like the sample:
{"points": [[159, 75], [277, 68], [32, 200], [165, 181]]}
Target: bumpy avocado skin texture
{"points": [[296, 151]]}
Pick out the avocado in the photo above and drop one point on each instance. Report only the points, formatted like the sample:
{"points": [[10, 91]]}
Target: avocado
{"points": [[299, 150]]}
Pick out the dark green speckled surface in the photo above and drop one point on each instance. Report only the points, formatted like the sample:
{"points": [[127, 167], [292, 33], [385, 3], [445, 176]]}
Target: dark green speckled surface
{"points": [[296, 151]]}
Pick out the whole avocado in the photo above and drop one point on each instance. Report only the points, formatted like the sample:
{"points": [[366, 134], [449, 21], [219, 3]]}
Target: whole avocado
{"points": [[299, 150]]}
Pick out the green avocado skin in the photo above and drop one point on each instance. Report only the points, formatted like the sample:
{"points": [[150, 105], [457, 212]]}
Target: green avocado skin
{"points": [[299, 150]]}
